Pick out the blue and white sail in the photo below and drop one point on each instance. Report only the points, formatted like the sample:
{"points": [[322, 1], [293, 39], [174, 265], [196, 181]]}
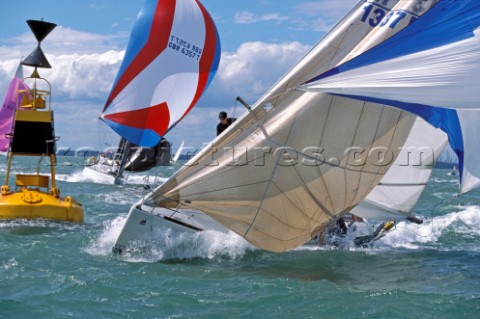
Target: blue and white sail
{"points": [[431, 68]]}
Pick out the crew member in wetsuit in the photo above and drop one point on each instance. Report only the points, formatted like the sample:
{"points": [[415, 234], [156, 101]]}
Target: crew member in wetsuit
{"points": [[225, 122]]}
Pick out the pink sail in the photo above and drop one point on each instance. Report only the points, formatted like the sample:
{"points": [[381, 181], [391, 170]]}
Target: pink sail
{"points": [[10, 103]]}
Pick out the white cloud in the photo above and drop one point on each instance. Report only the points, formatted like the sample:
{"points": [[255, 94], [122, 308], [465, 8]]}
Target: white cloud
{"points": [[62, 41], [79, 76], [256, 66], [84, 76], [317, 16], [247, 17]]}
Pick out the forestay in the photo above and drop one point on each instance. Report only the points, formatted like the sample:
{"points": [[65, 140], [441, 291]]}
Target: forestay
{"points": [[172, 56], [297, 160]]}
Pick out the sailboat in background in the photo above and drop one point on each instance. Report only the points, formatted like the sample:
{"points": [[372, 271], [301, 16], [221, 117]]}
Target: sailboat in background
{"points": [[281, 173], [172, 57]]}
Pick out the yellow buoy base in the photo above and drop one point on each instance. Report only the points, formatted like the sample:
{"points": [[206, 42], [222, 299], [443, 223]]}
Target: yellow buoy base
{"points": [[33, 204]]}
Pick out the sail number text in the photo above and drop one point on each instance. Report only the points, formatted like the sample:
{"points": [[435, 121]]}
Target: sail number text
{"points": [[377, 15], [185, 47]]}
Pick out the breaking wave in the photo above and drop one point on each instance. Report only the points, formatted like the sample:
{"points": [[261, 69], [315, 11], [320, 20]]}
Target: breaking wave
{"points": [[170, 245], [453, 231]]}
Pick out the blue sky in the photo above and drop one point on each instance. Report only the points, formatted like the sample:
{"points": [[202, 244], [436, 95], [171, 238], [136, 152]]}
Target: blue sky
{"points": [[260, 39]]}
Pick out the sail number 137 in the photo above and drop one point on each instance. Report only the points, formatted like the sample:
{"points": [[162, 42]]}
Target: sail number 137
{"points": [[376, 16]]}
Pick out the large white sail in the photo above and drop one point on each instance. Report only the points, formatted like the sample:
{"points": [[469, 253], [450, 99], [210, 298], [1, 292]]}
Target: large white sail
{"points": [[281, 173], [395, 197]]}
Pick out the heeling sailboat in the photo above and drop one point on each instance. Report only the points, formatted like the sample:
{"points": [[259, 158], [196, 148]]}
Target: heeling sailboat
{"points": [[172, 57], [279, 175], [393, 199], [430, 69]]}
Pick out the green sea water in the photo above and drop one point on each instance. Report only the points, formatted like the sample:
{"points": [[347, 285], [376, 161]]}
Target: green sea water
{"points": [[60, 270]]}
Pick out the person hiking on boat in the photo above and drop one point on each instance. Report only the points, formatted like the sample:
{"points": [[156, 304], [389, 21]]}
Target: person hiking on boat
{"points": [[225, 122], [102, 159]]}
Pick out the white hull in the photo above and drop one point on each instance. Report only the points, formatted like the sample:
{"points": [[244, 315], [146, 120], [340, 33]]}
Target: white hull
{"points": [[100, 177], [151, 225]]}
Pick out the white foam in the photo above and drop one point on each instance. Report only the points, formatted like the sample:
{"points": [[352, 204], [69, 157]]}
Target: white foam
{"points": [[463, 224], [74, 177], [211, 244], [102, 245], [143, 179], [120, 197], [170, 245], [38, 223], [132, 179], [205, 244], [12, 263]]}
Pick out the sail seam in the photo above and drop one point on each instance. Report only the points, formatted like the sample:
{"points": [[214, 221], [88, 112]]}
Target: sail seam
{"points": [[355, 190], [374, 138], [399, 118], [314, 198], [270, 181], [320, 145]]}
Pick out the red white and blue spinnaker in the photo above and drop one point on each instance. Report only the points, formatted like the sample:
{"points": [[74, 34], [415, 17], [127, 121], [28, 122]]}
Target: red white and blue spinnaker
{"points": [[172, 57]]}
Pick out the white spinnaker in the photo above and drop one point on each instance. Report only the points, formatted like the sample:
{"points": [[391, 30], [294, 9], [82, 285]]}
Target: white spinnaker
{"points": [[395, 197], [445, 76], [262, 179]]}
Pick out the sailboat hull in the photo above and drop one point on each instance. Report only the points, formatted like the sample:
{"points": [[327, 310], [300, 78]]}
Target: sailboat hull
{"points": [[34, 204], [150, 226], [100, 177]]}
